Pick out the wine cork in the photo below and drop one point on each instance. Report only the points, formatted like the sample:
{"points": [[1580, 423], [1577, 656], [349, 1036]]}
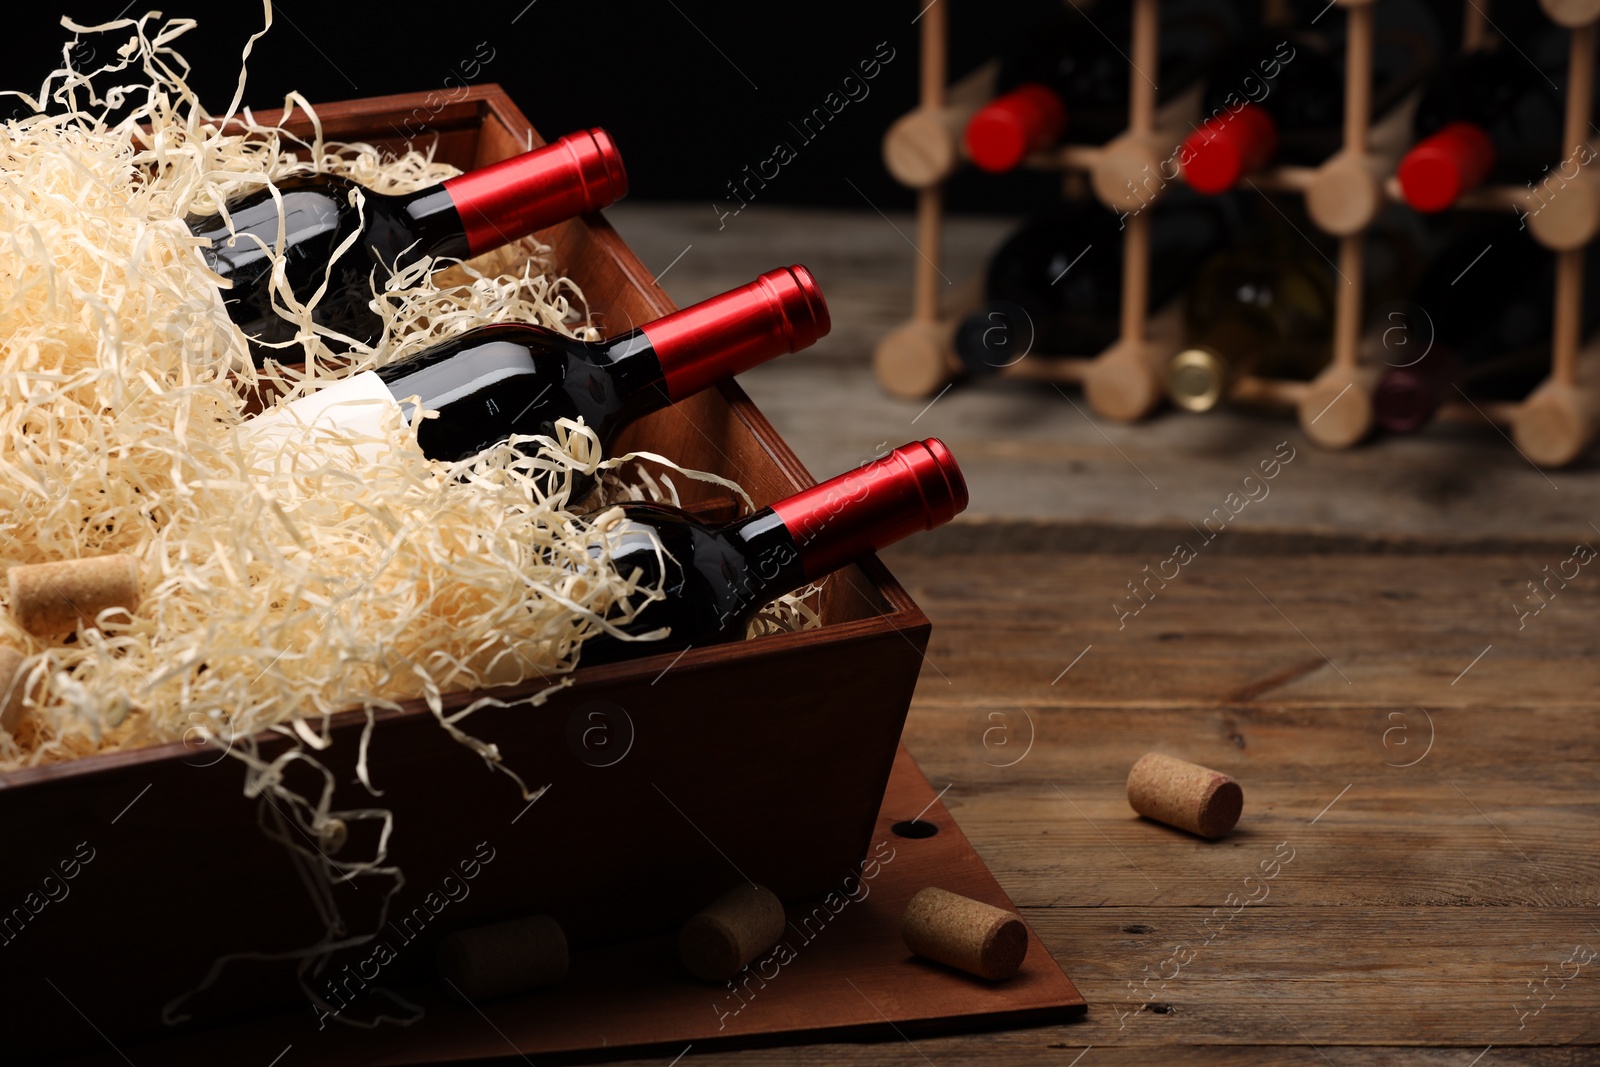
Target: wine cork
{"points": [[51, 599], [11, 688], [1185, 795], [731, 931], [509, 957], [967, 934]]}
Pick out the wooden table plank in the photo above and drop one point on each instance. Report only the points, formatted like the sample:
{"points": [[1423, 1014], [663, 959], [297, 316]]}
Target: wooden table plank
{"points": [[1250, 628]]}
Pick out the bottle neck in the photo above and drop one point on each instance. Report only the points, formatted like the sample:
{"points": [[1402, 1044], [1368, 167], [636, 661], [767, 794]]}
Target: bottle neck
{"points": [[497, 204], [774, 563], [916, 487], [431, 227], [780, 312]]}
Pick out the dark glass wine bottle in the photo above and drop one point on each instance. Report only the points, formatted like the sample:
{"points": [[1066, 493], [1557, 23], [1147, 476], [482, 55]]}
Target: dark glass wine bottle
{"points": [[1481, 320], [1055, 287], [1263, 307], [1277, 98], [459, 218], [717, 577], [1486, 115], [1069, 76], [496, 381]]}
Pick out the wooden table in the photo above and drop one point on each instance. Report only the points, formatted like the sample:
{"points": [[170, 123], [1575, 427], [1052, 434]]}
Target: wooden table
{"points": [[1348, 648], [1421, 771]]}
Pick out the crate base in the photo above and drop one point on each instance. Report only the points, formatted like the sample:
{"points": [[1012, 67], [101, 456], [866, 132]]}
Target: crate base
{"points": [[852, 978]]}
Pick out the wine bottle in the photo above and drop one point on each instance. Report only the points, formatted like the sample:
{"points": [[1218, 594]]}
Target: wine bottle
{"points": [[1277, 97], [495, 381], [715, 578], [1055, 286], [1486, 115], [1262, 307], [460, 217], [1070, 76], [1481, 319]]}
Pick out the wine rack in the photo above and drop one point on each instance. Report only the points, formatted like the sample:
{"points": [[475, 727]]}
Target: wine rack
{"points": [[1552, 426]]}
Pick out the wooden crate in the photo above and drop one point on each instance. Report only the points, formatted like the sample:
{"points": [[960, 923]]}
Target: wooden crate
{"points": [[765, 760], [1553, 426]]}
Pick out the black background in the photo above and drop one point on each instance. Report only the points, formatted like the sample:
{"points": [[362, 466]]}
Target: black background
{"points": [[671, 79]]}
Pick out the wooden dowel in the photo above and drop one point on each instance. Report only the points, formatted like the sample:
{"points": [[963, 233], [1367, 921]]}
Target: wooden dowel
{"points": [[1358, 79], [1580, 88], [1277, 13], [1135, 278], [930, 225], [1568, 317], [1060, 369], [930, 202], [1347, 307], [1475, 25], [1142, 90], [1267, 392], [1569, 264], [934, 37]]}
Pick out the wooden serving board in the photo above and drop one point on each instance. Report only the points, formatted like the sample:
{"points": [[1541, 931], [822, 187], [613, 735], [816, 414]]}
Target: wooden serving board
{"points": [[849, 976]]}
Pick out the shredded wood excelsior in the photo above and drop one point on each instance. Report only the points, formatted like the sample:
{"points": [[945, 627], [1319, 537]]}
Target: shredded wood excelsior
{"points": [[270, 599]]}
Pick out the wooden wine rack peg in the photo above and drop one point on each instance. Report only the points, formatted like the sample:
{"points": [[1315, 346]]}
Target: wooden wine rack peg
{"points": [[916, 359], [1556, 423], [1124, 382], [925, 146], [1572, 13], [1336, 409]]}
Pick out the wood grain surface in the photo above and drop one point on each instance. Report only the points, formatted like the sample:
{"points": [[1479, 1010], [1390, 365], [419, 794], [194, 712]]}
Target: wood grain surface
{"points": [[1438, 899]]}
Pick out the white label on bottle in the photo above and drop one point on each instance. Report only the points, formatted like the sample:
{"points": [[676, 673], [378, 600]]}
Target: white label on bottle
{"points": [[343, 418]]}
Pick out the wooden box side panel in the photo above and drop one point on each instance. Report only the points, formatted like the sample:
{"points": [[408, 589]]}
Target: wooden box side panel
{"points": [[705, 777]]}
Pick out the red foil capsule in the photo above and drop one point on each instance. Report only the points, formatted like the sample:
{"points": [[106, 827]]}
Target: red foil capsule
{"points": [[780, 312], [1438, 169], [580, 173], [1227, 147], [1010, 128], [916, 487]]}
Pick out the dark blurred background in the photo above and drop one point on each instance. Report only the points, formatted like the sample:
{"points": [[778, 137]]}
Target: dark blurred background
{"points": [[693, 90]]}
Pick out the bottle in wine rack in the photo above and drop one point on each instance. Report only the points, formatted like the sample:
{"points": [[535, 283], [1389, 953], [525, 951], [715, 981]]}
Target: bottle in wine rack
{"points": [[717, 577], [1264, 307], [1487, 115], [460, 217], [1276, 98], [1054, 288], [1069, 77], [1481, 321], [496, 381]]}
